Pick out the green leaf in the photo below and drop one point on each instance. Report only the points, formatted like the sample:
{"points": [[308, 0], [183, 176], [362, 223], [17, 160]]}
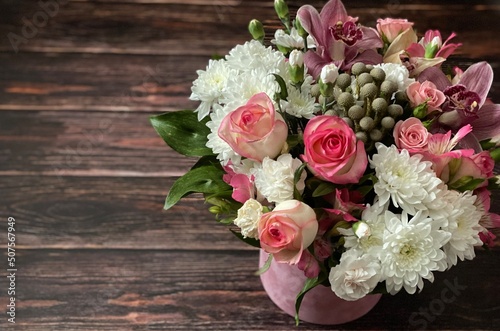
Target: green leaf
{"points": [[251, 241], [323, 189], [266, 266], [283, 91], [466, 183], [204, 179], [182, 131], [309, 285]]}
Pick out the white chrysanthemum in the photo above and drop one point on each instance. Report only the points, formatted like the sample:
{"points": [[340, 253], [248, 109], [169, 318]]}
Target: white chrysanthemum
{"points": [[396, 73], [209, 85], [274, 179], [248, 218], [217, 144], [355, 276], [299, 104], [411, 251], [242, 87], [253, 55], [409, 182], [463, 224], [372, 244], [292, 40]]}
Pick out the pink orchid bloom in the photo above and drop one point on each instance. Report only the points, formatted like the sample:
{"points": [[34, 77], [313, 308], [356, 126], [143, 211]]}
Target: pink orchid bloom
{"points": [[430, 51], [339, 39], [467, 100]]}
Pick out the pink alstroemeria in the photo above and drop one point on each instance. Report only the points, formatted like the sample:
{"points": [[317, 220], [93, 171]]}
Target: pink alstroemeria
{"points": [[345, 205], [488, 220], [430, 51], [440, 150], [243, 186], [339, 39], [467, 100]]}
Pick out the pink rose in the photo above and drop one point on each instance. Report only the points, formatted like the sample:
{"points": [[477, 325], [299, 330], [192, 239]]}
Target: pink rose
{"points": [[390, 28], [287, 230], [411, 135], [485, 163], [255, 130], [418, 93], [331, 150]]}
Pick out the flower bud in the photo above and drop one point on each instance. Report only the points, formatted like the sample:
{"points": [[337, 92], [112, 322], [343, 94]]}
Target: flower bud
{"points": [[281, 9], [256, 29], [300, 29], [329, 73], [420, 111], [296, 58], [361, 229]]}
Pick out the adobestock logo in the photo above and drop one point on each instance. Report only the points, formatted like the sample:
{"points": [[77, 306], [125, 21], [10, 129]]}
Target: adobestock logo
{"points": [[425, 315], [29, 30]]}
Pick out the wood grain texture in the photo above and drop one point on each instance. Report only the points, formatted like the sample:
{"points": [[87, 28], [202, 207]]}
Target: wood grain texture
{"points": [[165, 290], [85, 175]]}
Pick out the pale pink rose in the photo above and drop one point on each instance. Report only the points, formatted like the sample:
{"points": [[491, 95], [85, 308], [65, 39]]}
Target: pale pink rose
{"points": [[390, 28], [411, 135], [287, 230], [485, 163], [332, 152], [418, 93], [255, 130]]}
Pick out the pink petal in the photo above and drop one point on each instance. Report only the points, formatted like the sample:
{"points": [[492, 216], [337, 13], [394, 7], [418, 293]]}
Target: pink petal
{"points": [[486, 126], [370, 40], [369, 56], [314, 63], [436, 76], [311, 22], [416, 50], [333, 12], [478, 78]]}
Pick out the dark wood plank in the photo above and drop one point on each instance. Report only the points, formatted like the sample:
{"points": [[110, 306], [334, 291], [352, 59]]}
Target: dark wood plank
{"points": [[194, 27], [107, 212], [77, 143], [215, 290]]}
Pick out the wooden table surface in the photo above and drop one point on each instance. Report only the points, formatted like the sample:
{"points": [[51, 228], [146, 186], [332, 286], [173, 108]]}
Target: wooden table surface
{"points": [[85, 176]]}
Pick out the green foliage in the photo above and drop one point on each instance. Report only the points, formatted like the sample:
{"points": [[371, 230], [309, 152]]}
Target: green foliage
{"points": [[251, 241], [206, 178], [309, 285], [182, 131]]}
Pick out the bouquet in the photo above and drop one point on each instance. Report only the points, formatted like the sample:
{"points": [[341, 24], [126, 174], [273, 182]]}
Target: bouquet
{"points": [[354, 153]]}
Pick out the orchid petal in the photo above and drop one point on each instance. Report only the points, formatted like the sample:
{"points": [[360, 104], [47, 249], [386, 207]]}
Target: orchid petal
{"points": [[478, 78], [311, 22], [333, 12], [402, 42], [436, 76], [314, 63], [370, 40], [486, 126], [369, 56]]}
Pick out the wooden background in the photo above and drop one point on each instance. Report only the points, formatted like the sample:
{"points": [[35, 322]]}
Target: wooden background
{"points": [[85, 175]]}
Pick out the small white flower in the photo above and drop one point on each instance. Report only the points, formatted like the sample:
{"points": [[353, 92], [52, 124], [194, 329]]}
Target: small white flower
{"points": [[292, 40], [248, 218], [362, 229], [406, 180], [463, 224], [355, 276], [274, 179], [299, 104], [411, 251], [329, 73], [396, 73], [209, 85]]}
